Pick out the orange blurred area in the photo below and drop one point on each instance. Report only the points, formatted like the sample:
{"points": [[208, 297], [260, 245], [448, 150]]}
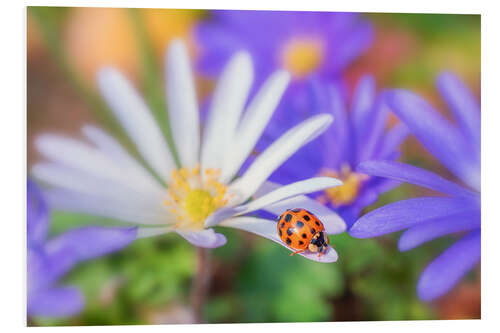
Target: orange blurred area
{"points": [[96, 37], [464, 302]]}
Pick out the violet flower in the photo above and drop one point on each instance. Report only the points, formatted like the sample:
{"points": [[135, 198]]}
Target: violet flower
{"points": [[49, 259], [299, 42], [302, 43], [358, 134], [456, 146]]}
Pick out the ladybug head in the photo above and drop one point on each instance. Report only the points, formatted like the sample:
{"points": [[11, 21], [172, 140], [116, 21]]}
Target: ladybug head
{"points": [[318, 242]]}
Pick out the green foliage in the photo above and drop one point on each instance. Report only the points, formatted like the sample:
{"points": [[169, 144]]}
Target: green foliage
{"points": [[122, 287], [276, 287], [385, 279]]}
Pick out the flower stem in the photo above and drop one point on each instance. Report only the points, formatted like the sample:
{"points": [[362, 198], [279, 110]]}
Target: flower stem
{"points": [[201, 283]]}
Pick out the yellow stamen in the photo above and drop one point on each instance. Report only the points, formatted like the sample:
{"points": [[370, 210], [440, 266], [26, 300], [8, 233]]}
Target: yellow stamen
{"points": [[192, 198], [346, 193], [301, 56]]}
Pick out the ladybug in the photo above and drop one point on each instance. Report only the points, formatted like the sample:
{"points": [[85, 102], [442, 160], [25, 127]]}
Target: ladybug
{"points": [[301, 230]]}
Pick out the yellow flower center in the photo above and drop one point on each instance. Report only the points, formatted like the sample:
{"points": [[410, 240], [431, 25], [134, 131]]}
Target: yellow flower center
{"points": [[193, 196], [301, 56], [346, 193]]}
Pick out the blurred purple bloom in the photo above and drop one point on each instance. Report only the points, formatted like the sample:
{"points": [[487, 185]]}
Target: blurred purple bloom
{"points": [[300, 42], [49, 260], [457, 146], [304, 44], [357, 134]]}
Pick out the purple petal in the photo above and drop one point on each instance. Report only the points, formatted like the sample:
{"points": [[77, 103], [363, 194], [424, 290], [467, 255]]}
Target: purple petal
{"points": [[463, 105], [340, 130], [207, 238], [38, 214], [413, 175], [44, 270], [354, 44], [362, 102], [370, 138], [447, 269], [407, 213], [433, 229], [392, 140], [436, 134], [90, 242], [56, 302]]}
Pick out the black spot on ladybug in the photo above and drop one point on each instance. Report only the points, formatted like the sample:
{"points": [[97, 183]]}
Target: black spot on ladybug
{"points": [[306, 217], [279, 218], [288, 241], [288, 217], [299, 224], [313, 231], [296, 210], [282, 224], [290, 231], [304, 235], [317, 223], [279, 230], [301, 242]]}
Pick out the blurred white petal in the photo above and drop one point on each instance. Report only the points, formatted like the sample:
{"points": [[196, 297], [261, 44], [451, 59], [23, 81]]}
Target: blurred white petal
{"points": [[277, 153], [207, 238], [58, 175], [268, 229], [182, 104], [128, 211], [137, 120], [254, 122], [225, 112], [281, 193], [135, 172]]}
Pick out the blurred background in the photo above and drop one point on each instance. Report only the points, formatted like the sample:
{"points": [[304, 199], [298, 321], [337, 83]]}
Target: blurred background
{"points": [[253, 280]]}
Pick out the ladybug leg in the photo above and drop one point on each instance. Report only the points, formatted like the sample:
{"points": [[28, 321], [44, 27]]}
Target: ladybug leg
{"points": [[299, 251]]}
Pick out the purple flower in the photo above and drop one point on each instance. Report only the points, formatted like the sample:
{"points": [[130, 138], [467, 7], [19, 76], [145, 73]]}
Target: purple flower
{"points": [[299, 42], [304, 44], [357, 134], [49, 260], [456, 146]]}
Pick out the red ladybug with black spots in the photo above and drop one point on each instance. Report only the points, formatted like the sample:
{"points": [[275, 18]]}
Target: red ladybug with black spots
{"points": [[301, 230]]}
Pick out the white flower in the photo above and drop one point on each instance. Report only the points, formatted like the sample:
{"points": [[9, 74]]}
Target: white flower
{"points": [[103, 179]]}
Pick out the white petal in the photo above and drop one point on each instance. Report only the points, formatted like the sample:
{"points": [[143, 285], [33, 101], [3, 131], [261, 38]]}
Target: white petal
{"points": [[90, 162], [77, 155], [268, 229], [151, 232], [129, 211], [70, 179], [281, 193], [207, 238], [277, 153], [227, 105], [284, 192], [137, 120], [221, 215], [136, 173], [334, 224], [254, 122], [182, 104]]}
